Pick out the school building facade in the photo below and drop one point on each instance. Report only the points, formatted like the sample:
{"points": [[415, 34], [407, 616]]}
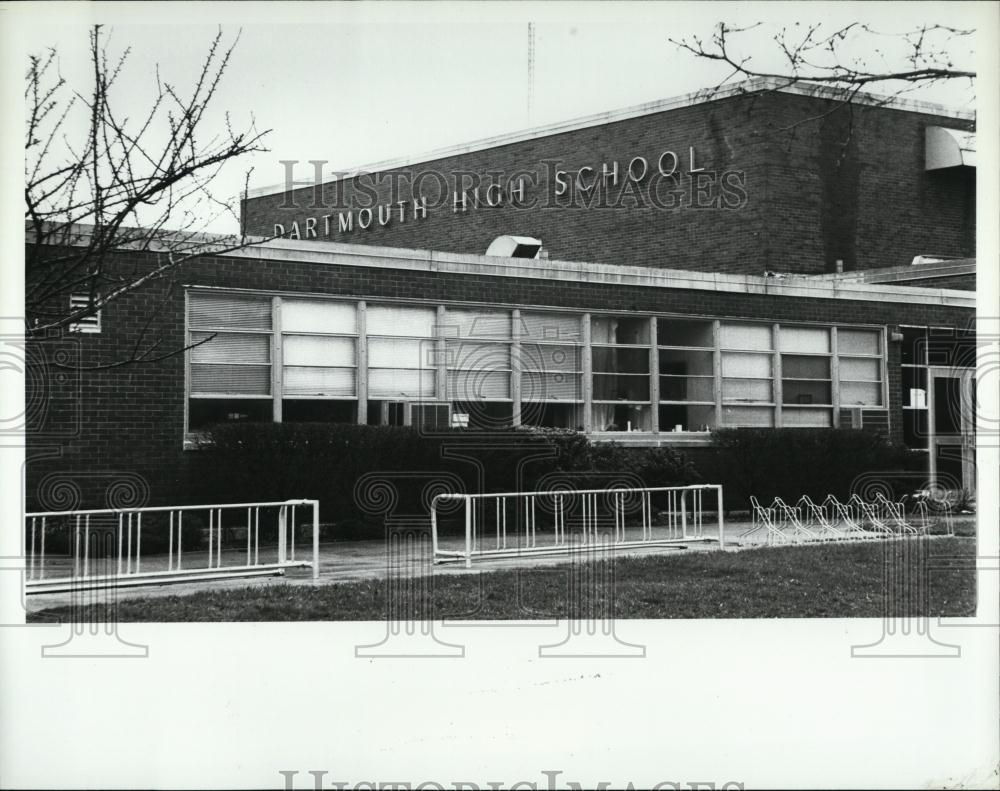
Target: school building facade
{"points": [[763, 256]]}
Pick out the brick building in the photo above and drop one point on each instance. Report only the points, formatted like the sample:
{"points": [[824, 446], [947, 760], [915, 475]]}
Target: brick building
{"points": [[764, 256]]}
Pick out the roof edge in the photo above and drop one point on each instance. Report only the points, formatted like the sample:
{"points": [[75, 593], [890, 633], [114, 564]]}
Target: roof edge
{"points": [[703, 96], [377, 257]]}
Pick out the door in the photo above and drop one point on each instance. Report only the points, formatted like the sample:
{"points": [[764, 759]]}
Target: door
{"points": [[951, 427]]}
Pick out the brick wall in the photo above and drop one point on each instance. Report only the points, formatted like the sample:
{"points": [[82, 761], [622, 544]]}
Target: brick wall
{"points": [[817, 183], [103, 434]]}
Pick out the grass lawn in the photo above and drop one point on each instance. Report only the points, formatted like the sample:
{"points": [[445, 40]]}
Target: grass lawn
{"points": [[827, 581]]}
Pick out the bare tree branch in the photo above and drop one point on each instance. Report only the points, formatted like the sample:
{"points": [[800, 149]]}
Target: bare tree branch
{"points": [[129, 177], [814, 55]]}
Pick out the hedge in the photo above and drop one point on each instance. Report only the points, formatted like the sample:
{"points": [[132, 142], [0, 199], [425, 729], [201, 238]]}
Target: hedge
{"points": [[363, 474], [789, 463]]}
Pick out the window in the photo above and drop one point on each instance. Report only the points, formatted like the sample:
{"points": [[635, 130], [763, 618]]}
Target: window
{"points": [[859, 357], [402, 359], [551, 364], [747, 374], [319, 349], [478, 361], [230, 342], [686, 374], [806, 377], [620, 362], [923, 347], [296, 358], [91, 323]]}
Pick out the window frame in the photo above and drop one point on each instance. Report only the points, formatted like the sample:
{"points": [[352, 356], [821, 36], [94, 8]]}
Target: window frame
{"points": [[580, 344]]}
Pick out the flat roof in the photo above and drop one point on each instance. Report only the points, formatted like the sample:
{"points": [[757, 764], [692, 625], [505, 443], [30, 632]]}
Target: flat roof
{"points": [[755, 85], [374, 257]]}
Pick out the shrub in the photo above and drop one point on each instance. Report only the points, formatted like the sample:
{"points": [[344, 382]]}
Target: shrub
{"points": [[361, 473], [789, 463]]}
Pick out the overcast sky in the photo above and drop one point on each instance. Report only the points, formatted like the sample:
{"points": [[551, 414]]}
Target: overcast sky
{"points": [[358, 83]]}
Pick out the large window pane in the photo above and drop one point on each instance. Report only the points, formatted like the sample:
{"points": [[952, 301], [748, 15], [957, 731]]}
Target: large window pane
{"points": [[317, 350], [478, 356], [461, 323], [612, 387], [860, 394], [230, 348], [620, 330], [401, 353], [681, 332], [552, 415], [621, 417], [242, 313], [914, 346], [756, 366], [815, 340], [478, 385], [685, 363], [753, 390], [805, 367], [397, 383], [807, 418], [550, 327], [746, 336], [319, 381], [323, 316], [231, 379], [550, 387], [687, 388], [857, 341], [397, 320], [860, 369], [681, 417], [736, 416], [612, 360], [543, 357], [799, 392]]}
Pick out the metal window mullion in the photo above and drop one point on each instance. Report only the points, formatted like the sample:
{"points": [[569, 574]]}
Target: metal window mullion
{"points": [[515, 367], [441, 343], [835, 377], [586, 363], [654, 378], [361, 375], [277, 368], [883, 367], [717, 370], [187, 364], [777, 390]]}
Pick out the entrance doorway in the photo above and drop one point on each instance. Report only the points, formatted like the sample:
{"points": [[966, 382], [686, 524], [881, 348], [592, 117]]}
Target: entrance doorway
{"points": [[951, 427]]}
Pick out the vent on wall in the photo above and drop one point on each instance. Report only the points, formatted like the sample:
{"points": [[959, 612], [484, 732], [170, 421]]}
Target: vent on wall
{"points": [[90, 323], [515, 247]]}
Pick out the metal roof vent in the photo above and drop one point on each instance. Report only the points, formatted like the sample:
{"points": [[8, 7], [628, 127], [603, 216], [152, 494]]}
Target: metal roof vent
{"points": [[949, 148], [515, 247]]}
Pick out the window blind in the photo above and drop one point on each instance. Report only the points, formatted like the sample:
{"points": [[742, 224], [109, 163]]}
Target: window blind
{"points": [[550, 327], [400, 321], [229, 312], [324, 316]]}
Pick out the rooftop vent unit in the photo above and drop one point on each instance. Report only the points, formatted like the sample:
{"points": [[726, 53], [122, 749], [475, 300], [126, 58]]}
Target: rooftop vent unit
{"points": [[515, 247], [949, 148], [932, 259]]}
